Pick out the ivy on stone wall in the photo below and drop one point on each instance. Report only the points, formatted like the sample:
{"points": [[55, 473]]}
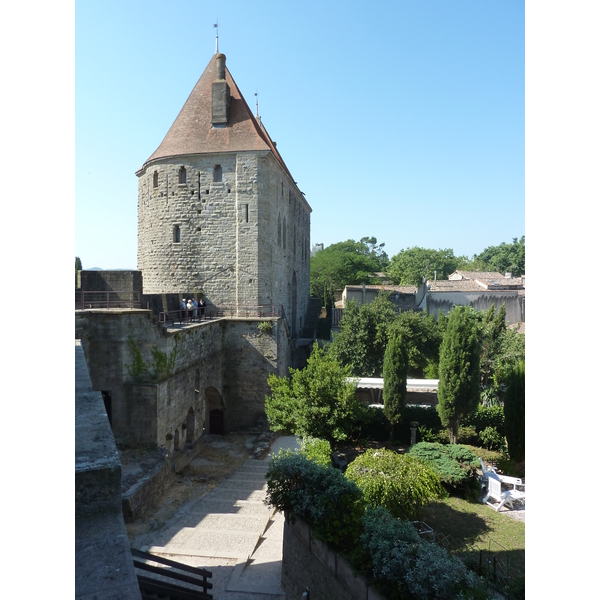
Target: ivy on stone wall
{"points": [[161, 367], [138, 369]]}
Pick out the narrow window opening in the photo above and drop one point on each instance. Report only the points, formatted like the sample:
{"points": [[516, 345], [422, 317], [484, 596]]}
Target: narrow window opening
{"points": [[217, 174], [182, 175], [246, 210], [155, 179], [279, 231], [284, 232], [176, 234]]}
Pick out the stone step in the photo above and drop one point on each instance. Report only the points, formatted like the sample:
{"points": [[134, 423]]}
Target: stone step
{"points": [[208, 542]]}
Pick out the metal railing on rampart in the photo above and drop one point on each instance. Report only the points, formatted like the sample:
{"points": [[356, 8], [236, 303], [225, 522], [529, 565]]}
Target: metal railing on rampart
{"points": [[107, 299], [213, 312]]}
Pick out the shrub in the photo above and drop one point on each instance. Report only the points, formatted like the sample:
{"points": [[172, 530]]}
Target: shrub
{"points": [[322, 496], [406, 566], [486, 416], [454, 463], [426, 416], [491, 439], [372, 424], [401, 484], [317, 450], [265, 327], [316, 401], [467, 435]]}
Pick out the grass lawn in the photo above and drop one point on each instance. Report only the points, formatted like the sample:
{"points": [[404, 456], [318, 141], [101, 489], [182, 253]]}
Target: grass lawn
{"points": [[477, 524]]}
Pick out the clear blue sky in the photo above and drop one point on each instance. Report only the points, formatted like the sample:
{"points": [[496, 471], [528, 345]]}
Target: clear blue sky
{"points": [[399, 120]]}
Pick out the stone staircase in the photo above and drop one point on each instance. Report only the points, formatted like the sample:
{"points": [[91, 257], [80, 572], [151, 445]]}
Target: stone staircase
{"points": [[313, 312]]}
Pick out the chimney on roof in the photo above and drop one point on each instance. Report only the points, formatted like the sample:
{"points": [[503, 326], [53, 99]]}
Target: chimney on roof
{"points": [[221, 96], [508, 275]]}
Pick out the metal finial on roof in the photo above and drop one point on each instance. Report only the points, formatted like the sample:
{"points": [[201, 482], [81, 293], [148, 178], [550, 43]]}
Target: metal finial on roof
{"points": [[256, 96], [217, 42]]}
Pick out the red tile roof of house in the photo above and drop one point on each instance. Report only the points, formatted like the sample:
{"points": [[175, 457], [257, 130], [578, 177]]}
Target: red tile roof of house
{"points": [[404, 289]]}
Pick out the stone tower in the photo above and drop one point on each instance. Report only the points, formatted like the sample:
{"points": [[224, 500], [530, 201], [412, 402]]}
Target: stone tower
{"points": [[219, 213]]}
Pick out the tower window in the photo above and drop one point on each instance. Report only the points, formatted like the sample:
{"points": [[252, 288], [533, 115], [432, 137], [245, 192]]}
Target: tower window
{"points": [[279, 231], [246, 211], [217, 174], [182, 175], [176, 234], [155, 179], [284, 232]]}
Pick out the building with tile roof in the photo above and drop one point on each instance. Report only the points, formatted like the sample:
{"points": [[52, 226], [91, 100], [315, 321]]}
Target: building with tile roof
{"points": [[479, 289], [219, 213]]}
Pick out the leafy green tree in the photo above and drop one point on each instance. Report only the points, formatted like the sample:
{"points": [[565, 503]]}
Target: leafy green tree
{"points": [[504, 258], [363, 336], [376, 251], [409, 266], [458, 390], [422, 338], [514, 412], [315, 401], [341, 264], [77, 268], [395, 368]]}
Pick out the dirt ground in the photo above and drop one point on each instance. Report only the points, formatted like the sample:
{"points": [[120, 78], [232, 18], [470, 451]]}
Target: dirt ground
{"points": [[215, 458]]}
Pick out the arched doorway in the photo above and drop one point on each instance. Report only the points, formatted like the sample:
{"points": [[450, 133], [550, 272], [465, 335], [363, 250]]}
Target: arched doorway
{"points": [[214, 411], [294, 301], [215, 421]]}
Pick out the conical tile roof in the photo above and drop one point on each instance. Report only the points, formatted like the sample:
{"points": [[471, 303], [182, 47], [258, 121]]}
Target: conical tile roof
{"points": [[192, 131]]}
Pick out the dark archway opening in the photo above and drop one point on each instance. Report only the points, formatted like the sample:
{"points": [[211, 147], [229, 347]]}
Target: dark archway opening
{"points": [[215, 421]]}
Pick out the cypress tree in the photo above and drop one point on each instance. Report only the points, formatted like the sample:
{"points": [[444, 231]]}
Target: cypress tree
{"points": [[458, 390], [514, 412], [77, 268], [395, 369]]}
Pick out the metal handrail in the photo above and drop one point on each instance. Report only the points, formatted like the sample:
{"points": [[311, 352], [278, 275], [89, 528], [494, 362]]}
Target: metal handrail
{"points": [[181, 316], [86, 299]]}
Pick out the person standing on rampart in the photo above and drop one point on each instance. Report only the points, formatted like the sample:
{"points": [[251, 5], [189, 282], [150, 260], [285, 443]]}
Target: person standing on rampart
{"points": [[195, 305], [202, 308]]}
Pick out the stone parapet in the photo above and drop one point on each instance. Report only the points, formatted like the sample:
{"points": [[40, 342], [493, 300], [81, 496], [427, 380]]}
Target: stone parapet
{"points": [[310, 563]]}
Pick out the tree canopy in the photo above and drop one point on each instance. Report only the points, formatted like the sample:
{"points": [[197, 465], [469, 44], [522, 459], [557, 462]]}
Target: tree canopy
{"points": [[363, 336], [505, 258], [344, 263], [409, 266]]}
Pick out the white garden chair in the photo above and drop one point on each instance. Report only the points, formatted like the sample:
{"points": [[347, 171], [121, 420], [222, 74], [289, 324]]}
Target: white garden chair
{"points": [[495, 492], [506, 479]]}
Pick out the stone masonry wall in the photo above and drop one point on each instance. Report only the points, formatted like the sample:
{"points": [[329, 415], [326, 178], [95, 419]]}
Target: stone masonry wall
{"points": [[308, 562], [229, 359], [444, 301], [242, 240]]}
